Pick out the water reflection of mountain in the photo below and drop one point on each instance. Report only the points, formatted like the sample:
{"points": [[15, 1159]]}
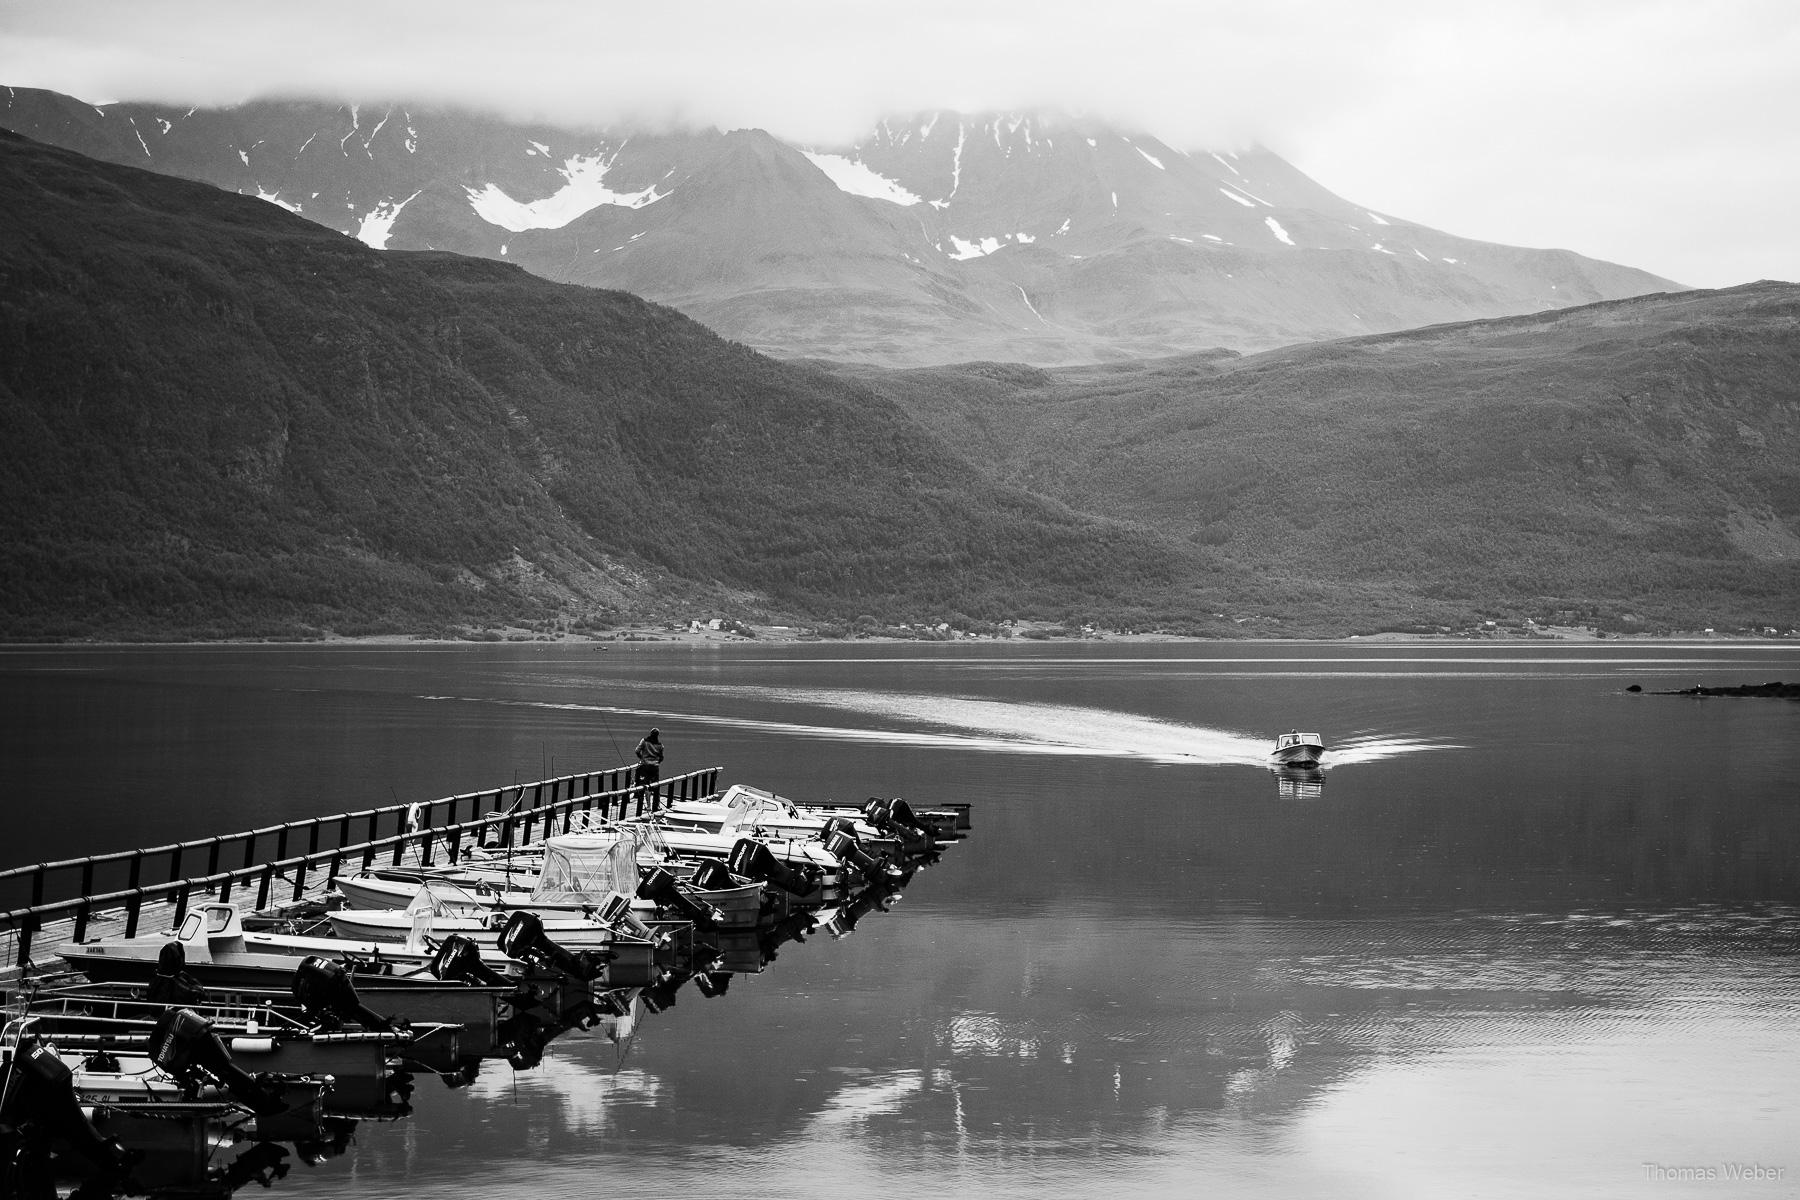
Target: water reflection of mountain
{"points": [[990, 1047]]}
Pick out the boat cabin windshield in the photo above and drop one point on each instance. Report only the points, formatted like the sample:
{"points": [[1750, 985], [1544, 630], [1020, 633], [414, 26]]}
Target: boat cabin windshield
{"points": [[587, 866]]}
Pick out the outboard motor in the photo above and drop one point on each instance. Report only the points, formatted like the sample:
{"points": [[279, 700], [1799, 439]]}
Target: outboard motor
{"points": [[792, 928], [753, 860], [458, 960], [325, 992], [183, 1044], [843, 845], [872, 899], [659, 887], [522, 1032], [43, 1095], [263, 1164], [171, 984], [661, 996], [712, 876], [896, 819], [524, 939], [712, 983]]}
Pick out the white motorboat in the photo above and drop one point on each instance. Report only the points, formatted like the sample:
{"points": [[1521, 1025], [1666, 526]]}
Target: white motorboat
{"points": [[580, 871], [1297, 749], [219, 952]]}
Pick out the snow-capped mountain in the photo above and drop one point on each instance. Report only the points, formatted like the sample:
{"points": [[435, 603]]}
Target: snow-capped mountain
{"points": [[1036, 237]]}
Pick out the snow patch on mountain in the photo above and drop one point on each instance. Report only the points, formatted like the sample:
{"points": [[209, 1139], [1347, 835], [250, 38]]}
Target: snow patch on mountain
{"points": [[1378, 219], [584, 189], [962, 134], [1150, 158], [1276, 229], [1231, 195], [272, 198], [981, 247], [1228, 166], [375, 133], [379, 222], [859, 180]]}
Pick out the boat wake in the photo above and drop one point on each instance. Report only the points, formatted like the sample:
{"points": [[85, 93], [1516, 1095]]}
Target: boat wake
{"points": [[996, 726], [1373, 749]]}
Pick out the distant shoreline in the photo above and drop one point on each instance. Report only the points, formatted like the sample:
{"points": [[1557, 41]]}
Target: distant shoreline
{"points": [[635, 636]]}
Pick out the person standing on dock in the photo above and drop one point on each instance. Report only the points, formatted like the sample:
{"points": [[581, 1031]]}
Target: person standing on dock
{"points": [[649, 759]]}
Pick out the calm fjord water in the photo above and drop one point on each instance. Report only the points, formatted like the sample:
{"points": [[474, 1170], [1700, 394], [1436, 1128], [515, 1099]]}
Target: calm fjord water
{"points": [[1530, 936]]}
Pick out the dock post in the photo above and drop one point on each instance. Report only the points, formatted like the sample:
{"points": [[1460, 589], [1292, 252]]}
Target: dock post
{"points": [[27, 927]]}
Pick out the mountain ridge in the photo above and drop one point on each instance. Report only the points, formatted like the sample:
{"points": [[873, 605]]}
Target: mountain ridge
{"points": [[942, 238], [223, 420]]}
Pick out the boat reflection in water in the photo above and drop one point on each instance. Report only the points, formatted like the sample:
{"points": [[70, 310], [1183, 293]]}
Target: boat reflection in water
{"points": [[1299, 783], [143, 1080]]}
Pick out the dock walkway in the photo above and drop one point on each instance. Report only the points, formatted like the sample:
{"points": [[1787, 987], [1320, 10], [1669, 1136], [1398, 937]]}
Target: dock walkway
{"points": [[133, 891]]}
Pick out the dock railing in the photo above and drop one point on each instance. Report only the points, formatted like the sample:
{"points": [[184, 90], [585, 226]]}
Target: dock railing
{"points": [[129, 884]]}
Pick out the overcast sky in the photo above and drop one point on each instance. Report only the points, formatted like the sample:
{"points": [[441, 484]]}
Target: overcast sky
{"points": [[1657, 133]]}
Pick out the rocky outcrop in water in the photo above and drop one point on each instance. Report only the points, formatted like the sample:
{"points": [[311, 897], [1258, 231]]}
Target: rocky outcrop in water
{"points": [[1777, 690]]}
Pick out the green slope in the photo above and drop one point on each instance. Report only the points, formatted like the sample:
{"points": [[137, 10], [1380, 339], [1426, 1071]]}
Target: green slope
{"points": [[1631, 459], [220, 419]]}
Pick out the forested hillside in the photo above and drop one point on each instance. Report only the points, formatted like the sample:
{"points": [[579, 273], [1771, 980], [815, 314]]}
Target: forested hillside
{"points": [[222, 420], [1635, 464]]}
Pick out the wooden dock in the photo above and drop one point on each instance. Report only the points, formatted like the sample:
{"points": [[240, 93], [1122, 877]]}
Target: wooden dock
{"points": [[135, 891]]}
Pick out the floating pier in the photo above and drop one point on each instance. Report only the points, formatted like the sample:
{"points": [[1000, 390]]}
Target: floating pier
{"points": [[128, 1067], [132, 891]]}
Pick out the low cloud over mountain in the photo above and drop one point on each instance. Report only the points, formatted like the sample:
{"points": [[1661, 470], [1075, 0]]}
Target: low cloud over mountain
{"points": [[939, 238]]}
